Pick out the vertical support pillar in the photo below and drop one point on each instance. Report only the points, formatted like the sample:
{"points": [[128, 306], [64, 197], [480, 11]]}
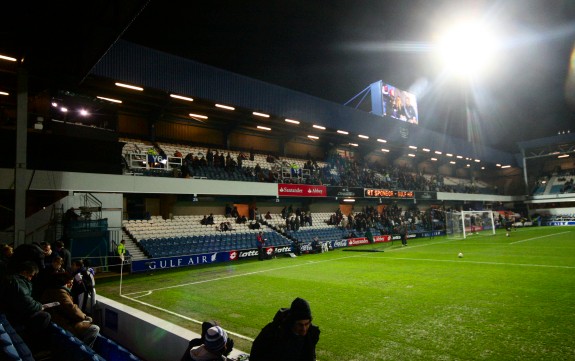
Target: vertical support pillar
{"points": [[525, 179], [20, 181]]}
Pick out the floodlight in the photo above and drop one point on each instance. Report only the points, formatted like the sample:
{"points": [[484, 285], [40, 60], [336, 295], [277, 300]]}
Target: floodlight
{"points": [[467, 48]]}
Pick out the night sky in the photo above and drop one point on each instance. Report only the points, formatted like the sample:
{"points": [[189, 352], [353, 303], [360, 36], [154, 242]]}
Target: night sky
{"points": [[335, 49]]}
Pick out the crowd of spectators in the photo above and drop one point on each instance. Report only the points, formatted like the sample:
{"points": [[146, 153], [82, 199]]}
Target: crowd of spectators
{"points": [[389, 219], [337, 171], [38, 287]]}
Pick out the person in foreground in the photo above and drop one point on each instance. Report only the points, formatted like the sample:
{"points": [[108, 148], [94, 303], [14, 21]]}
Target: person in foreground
{"points": [[213, 348], [289, 337], [67, 314], [206, 325]]}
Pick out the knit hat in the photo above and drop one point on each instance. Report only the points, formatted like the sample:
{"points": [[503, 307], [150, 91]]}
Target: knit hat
{"points": [[300, 310], [216, 339]]}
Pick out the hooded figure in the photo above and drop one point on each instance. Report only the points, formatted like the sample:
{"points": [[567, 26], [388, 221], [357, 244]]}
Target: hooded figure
{"points": [[209, 346], [289, 337]]}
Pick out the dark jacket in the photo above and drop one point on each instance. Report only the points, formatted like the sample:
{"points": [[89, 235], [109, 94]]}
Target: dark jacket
{"points": [[277, 342], [16, 299]]}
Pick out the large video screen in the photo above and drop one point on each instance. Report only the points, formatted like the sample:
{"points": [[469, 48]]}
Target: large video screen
{"points": [[399, 104]]}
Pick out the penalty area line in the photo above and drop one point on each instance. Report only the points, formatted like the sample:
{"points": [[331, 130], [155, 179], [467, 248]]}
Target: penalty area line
{"points": [[534, 238], [477, 262]]}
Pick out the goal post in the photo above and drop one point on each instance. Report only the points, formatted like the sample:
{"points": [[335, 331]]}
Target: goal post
{"points": [[469, 223]]}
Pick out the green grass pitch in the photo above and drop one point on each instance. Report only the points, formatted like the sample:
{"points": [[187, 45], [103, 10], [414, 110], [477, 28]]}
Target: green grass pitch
{"points": [[508, 298]]}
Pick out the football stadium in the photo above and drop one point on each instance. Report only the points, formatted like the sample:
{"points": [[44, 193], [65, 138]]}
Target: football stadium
{"points": [[288, 181]]}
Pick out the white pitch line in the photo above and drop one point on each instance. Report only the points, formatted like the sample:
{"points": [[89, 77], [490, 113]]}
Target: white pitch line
{"points": [[149, 292], [184, 317], [478, 262], [548, 235]]}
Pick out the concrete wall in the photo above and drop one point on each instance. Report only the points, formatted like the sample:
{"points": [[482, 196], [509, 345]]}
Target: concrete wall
{"points": [[146, 336]]}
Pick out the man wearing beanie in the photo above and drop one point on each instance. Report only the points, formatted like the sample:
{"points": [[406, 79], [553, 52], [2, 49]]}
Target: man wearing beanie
{"points": [[214, 346], [206, 325], [289, 337]]}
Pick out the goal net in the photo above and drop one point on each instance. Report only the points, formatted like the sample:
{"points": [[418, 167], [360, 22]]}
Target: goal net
{"points": [[469, 223]]}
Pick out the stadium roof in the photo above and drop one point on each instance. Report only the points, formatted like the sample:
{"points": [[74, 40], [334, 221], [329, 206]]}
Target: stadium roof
{"points": [[329, 50]]}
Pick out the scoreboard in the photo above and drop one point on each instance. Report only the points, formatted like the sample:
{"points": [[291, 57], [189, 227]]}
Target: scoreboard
{"points": [[387, 193]]}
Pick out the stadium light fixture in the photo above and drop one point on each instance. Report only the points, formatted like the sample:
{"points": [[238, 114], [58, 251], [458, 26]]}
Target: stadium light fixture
{"points": [[343, 132], [477, 160], [468, 48], [4, 93], [227, 107], [449, 154], [263, 115], [385, 150], [181, 97], [438, 152], [313, 137], [434, 159], [452, 162], [192, 115], [292, 121], [505, 166], [426, 150], [7, 58], [64, 110], [468, 165], [354, 144], [129, 86], [84, 112], [264, 128], [363, 136], [498, 165], [381, 140], [563, 156], [412, 147], [482, 168], [458, 157], [319, 127], [111, 100], [411, 155]]}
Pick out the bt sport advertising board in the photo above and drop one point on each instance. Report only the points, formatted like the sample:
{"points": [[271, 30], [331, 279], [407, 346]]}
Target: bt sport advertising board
{"points": [[399, 104]]}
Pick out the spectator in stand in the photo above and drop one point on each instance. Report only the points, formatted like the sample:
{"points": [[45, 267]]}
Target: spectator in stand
{"points": [[45, 276], [21, 309], [177, 153], [210, 219], [26, 252], [228, 211], [268, 215], [197, 342], [49, 254], [6, 253], [291, 336], [65, 254], [83, 290], [210, 157], [68, 315], [235, 212]]}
